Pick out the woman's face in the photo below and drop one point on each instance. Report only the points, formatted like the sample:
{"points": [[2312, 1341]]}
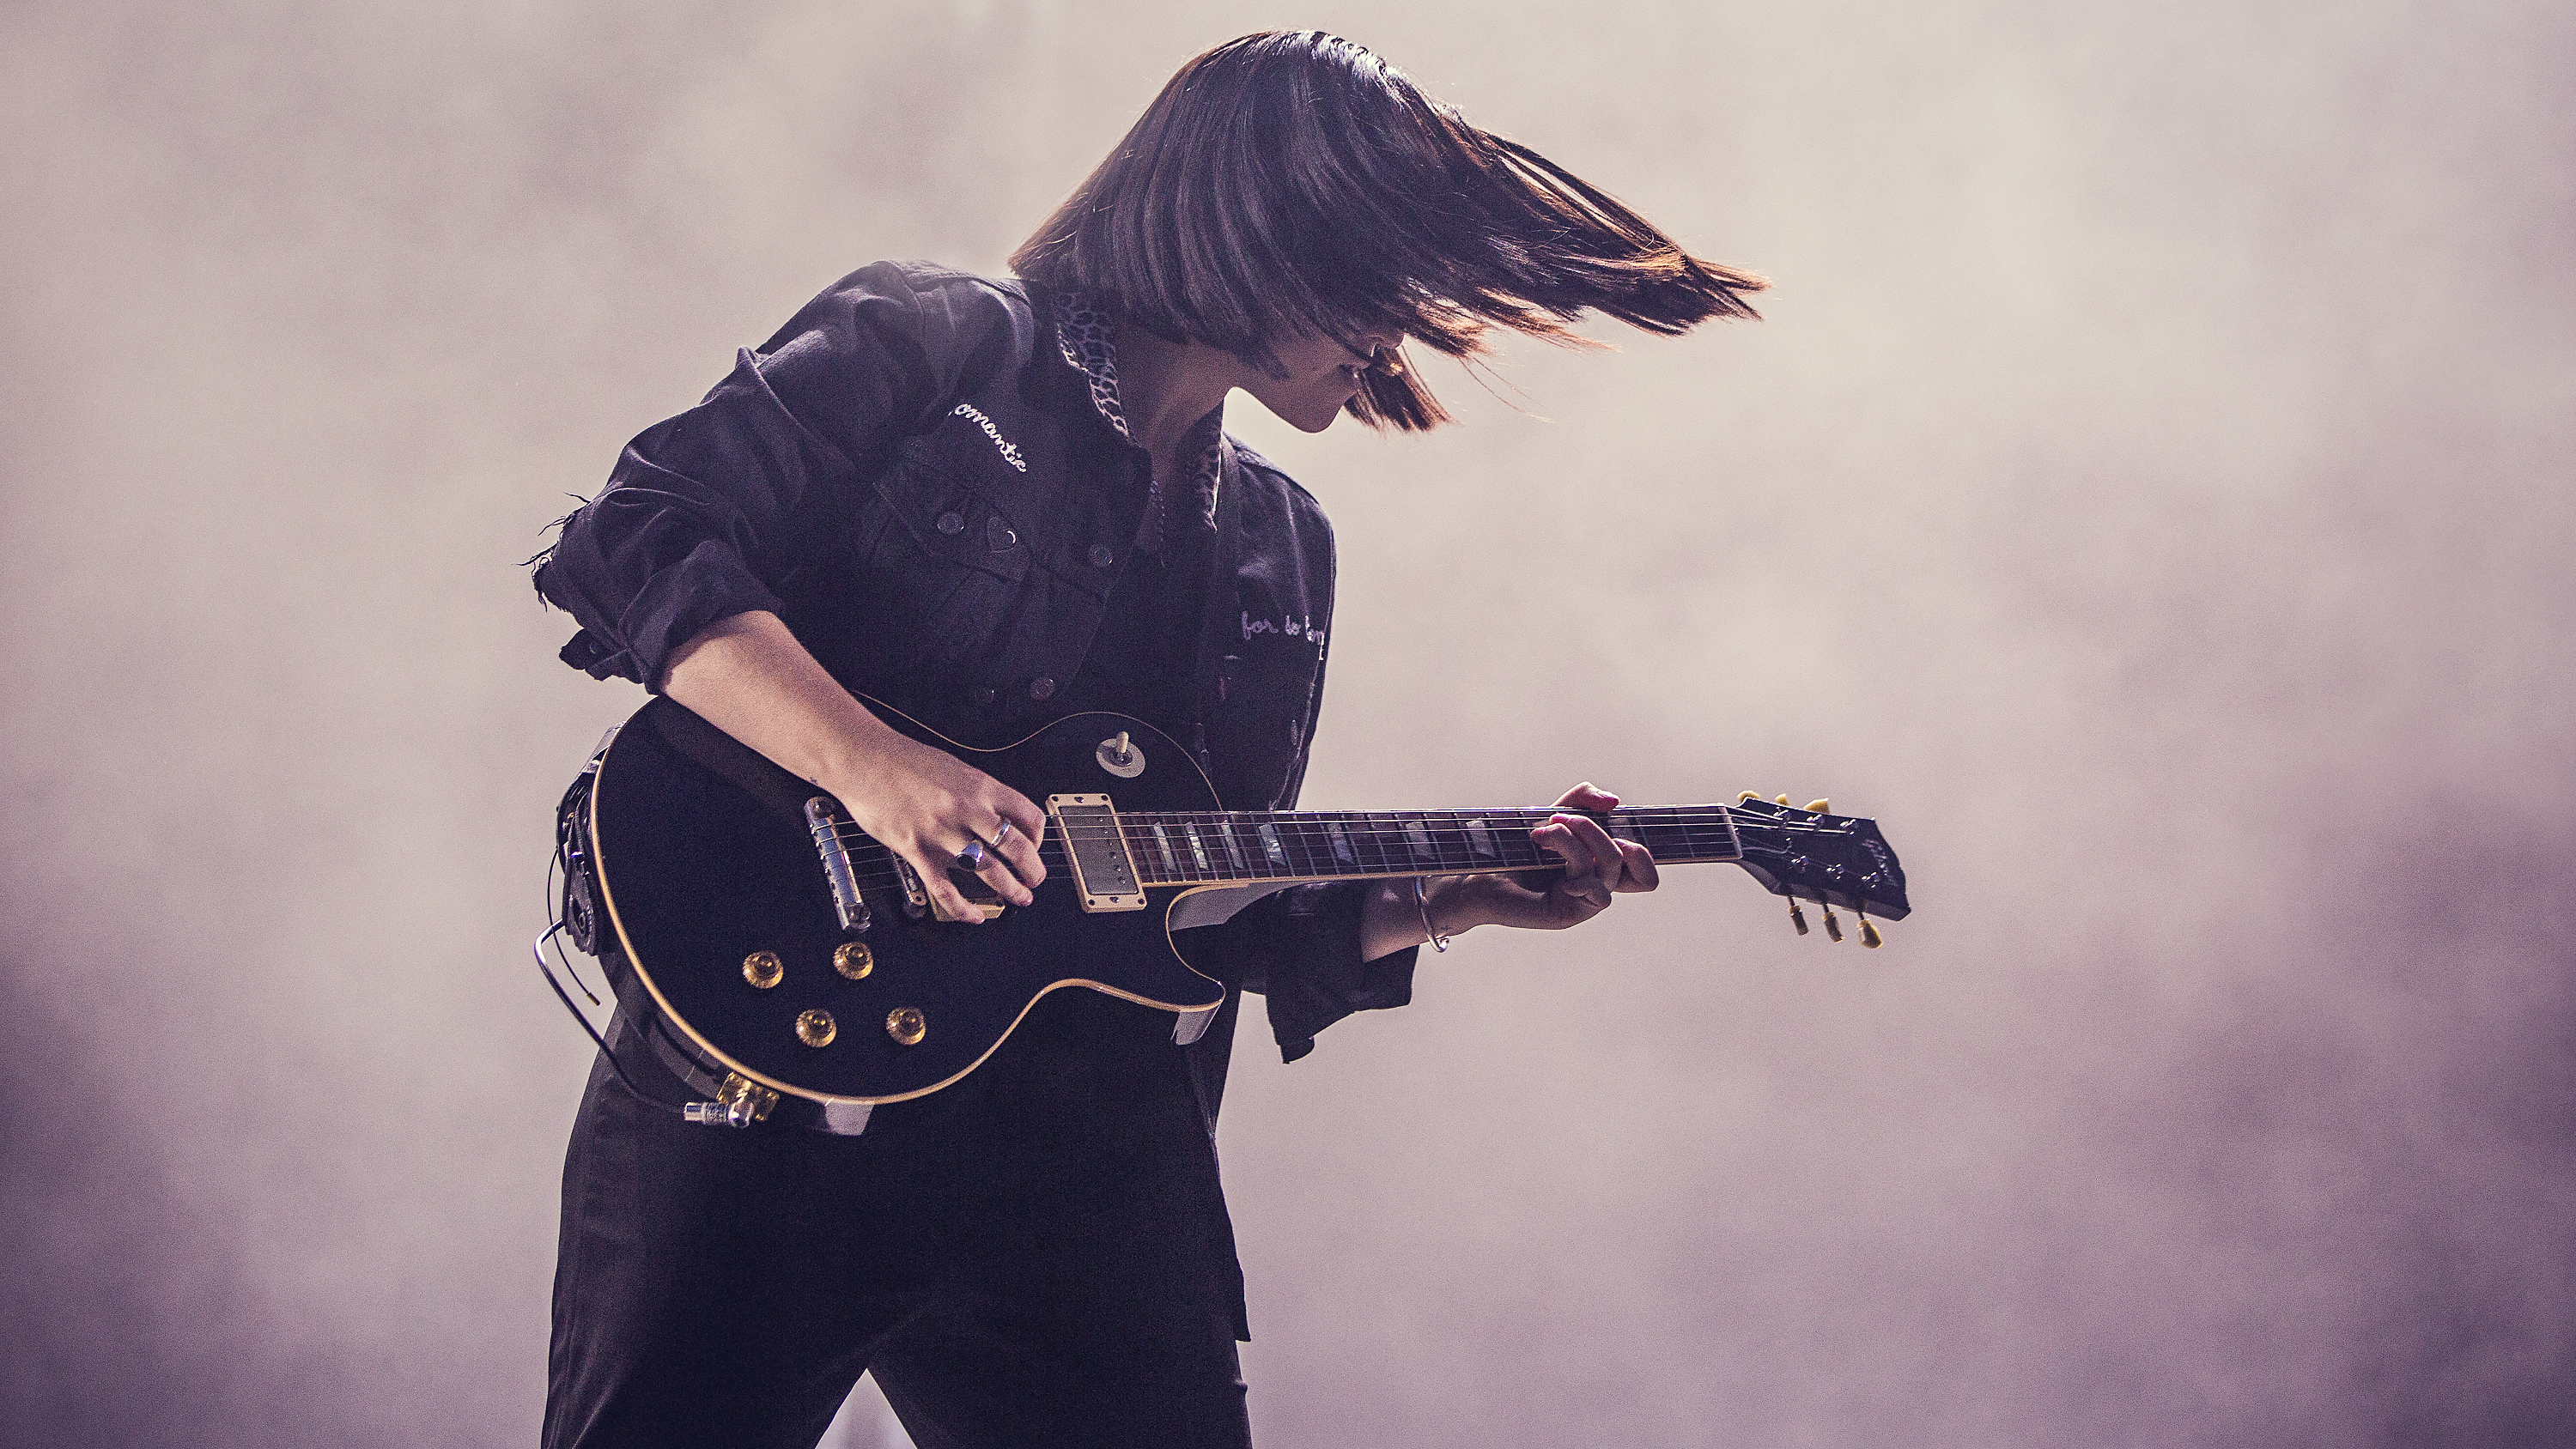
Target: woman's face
{"points": [[1320, 374]]}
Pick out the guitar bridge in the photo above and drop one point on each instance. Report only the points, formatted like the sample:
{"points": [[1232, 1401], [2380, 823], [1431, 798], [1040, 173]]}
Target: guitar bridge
{"points": [[1103, 871], [847, 903]]}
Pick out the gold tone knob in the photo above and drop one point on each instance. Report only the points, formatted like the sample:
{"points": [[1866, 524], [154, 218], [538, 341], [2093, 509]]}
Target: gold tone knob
{"points": [[1820, 807], [815, 1028], [1747, 796], [1869, 934], [1833, 926], [907, 1025], [1797, 918], [1779, 799], [854, 960], [761, 969]]}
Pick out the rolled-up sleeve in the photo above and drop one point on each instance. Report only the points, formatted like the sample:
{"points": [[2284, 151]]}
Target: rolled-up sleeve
{"points": [[1300, 949], [703, 510]]}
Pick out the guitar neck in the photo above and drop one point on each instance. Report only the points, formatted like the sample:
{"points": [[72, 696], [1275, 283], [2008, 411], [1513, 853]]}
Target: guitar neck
{"points": [[1226, 847]]}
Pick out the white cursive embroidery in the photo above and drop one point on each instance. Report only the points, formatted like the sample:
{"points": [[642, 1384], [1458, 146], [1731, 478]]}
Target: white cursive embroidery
{"points": [[1010, 453], [1294, 626]]}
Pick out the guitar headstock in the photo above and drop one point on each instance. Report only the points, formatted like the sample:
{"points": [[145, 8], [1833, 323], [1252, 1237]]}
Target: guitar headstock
{"points": [[1834, 860]]}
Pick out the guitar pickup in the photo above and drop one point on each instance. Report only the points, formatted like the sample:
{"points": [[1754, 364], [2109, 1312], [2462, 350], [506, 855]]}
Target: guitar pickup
{"points": [[1103, 872]]}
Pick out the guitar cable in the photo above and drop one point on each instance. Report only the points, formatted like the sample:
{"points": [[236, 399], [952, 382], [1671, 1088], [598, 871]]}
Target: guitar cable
{"points": [[576, 913]]}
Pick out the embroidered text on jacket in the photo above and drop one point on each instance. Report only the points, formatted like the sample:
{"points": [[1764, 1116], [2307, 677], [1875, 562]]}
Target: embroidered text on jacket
{"points": [[1010, 452]]}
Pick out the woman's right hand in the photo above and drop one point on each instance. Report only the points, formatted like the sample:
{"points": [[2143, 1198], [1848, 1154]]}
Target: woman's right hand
{"points": [[926, 804], [748, 676]]}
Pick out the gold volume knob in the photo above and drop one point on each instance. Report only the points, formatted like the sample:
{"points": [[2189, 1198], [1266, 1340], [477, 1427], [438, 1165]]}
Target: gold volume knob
{"points": [[907, 1025], [815, 1028], [761, 969], [854, 960]]}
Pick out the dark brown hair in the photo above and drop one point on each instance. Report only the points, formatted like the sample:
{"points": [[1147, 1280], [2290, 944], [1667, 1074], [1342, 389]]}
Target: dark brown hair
{"points": [[1292, 183]]}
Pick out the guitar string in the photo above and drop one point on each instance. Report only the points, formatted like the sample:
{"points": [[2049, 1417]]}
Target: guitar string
{"points": [[1320, 829], [1314, 831], [883, 879], [1311, 830], [1375, 824]]}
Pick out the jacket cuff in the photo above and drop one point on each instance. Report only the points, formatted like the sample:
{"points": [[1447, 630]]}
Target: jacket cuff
{"points": [[675, 605], [1316, 976]]}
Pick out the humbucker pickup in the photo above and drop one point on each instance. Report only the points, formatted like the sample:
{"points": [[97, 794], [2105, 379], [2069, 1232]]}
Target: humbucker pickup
{"points": [[1102, 870]]}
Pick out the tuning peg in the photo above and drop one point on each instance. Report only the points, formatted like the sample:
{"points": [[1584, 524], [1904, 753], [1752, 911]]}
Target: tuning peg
{"points": [[1779, 799], [1833, 927], [1797, 918], [1869, 933], [1747, 796], [1820, 807]]}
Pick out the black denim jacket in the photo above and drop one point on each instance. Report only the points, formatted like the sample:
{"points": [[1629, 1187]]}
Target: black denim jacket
{"points": [[914, 475]]}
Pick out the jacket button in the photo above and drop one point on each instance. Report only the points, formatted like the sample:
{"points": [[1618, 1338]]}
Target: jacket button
{"points": [[952, 523], [998, 536], [1041, 687], [1101, 556], [981, 694]]}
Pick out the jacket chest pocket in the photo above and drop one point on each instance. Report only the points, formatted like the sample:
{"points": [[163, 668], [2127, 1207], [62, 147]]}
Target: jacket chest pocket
{"points": [[1268, 674], [942, 568]]}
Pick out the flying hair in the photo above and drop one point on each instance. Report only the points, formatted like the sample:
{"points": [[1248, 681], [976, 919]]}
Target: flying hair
{"points": [[1291, 183]]}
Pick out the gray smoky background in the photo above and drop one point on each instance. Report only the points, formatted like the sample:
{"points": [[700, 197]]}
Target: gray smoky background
{"points": [[2148, 495]]}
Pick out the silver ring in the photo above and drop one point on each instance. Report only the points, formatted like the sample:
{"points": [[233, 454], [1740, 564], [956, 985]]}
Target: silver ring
{"points": [[1002, 834], [972, 857]]}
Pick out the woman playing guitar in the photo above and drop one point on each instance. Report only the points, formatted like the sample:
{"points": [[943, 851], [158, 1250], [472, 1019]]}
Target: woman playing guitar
{"points": [[988, 503]]}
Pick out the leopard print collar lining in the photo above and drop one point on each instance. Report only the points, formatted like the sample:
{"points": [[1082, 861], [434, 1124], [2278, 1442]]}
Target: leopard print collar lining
{"points": [[1087, 335]]}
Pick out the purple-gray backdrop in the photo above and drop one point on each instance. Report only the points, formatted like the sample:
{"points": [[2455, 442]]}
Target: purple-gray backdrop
{"points": [[2148, 495]]}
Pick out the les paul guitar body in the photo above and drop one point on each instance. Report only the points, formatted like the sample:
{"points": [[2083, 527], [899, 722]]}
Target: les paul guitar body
{"points": [[791, 955]]}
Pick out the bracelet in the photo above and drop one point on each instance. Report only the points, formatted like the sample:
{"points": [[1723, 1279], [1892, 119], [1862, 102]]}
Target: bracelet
{"points": [[1422, 907]]}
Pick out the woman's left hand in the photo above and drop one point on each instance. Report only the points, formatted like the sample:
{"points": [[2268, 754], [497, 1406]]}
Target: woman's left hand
{"points": [[1596, 868]]}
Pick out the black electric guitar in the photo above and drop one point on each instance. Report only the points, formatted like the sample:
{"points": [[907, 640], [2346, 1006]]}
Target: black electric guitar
{"points": [[787, 952]]}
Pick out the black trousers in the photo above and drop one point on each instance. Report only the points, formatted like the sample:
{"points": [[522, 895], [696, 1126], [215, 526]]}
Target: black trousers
{"points": [[1037, 1255]]}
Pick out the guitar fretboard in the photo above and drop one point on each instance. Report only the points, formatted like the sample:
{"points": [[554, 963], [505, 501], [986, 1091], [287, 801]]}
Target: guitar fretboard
{"points": [[1194, 847]]}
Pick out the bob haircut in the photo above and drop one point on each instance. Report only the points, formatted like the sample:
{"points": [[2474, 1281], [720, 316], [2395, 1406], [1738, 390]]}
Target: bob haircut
{"points": [[1291, 183]]}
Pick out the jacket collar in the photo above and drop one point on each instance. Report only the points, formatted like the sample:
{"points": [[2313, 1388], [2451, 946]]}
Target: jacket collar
{"points": [[1086, 332]]}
